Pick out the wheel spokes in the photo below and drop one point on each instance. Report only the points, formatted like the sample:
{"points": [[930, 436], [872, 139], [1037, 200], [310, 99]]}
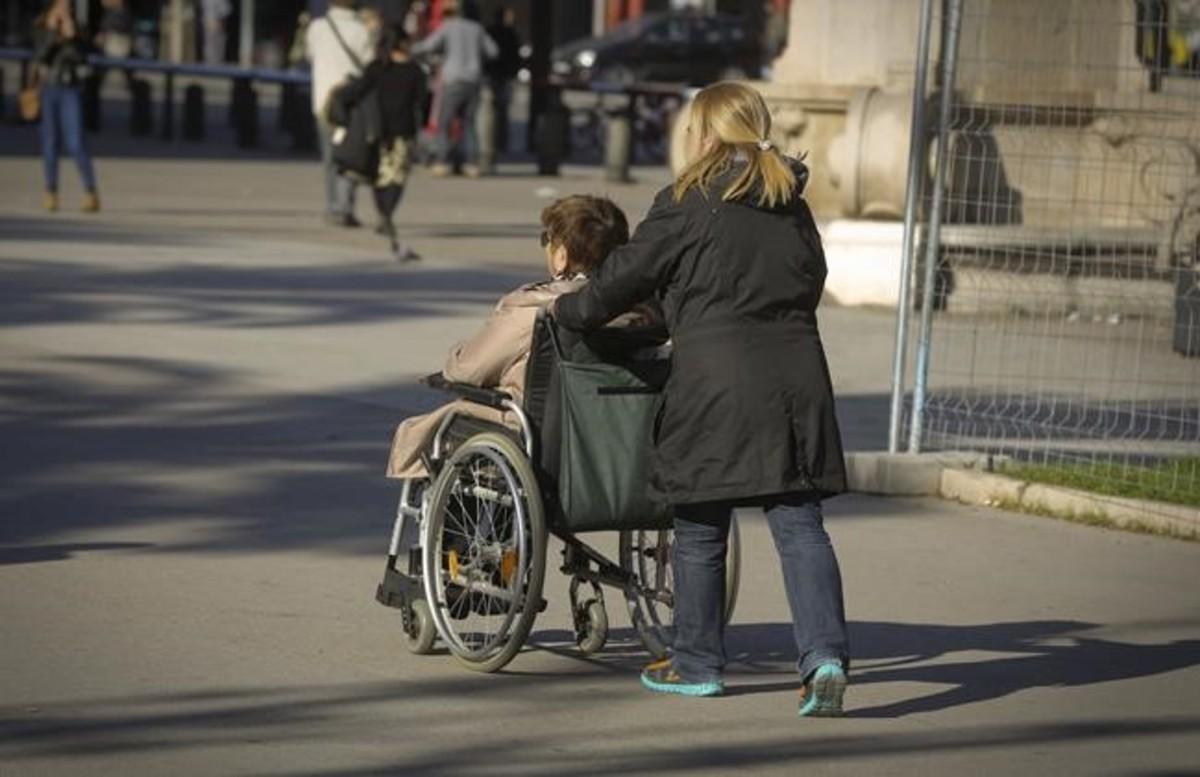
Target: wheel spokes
{"points": [[481, 546]]}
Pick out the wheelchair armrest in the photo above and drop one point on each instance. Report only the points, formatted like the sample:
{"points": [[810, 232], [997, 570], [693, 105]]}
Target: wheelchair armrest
{"points": [[480, 396]]}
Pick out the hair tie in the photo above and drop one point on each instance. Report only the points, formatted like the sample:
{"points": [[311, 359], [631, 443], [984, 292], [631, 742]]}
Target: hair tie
{"points": [[765, 144]]}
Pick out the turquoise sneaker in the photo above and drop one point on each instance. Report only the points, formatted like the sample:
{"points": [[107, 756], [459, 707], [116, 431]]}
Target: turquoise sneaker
{"points": [[823, 693], [661, 677]]}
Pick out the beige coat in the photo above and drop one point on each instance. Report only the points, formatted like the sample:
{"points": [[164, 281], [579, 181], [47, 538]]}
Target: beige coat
{"points": [[495, 357]]}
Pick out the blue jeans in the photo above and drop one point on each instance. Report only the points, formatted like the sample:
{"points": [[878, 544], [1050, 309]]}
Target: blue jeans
{"points": [[459, 99], [62, 121], [810, 573]]}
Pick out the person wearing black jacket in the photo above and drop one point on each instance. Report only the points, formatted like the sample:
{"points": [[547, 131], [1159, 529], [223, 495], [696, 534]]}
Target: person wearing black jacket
{"points": [[732, 251], [399, 85], [59, 62], [503, 69]]}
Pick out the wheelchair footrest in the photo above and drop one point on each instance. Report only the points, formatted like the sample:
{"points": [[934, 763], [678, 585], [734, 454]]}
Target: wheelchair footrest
{"points": [[398, 589]]}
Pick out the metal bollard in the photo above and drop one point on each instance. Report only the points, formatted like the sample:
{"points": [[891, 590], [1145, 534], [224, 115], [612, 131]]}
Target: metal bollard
{"points": [[193, 112], [168, 107], [298, 122], [90, 99], [485, 123], [618, 144], [141, 121], [245, 113], [553, 129], [287, 95]]}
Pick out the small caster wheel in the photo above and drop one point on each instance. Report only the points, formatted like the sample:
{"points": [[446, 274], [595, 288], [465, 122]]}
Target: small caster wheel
{"points": [[591, 627], [419, 631]]}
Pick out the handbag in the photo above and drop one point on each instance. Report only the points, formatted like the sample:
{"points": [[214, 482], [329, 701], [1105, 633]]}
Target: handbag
{"points": [[29, 103], [356, 145], [607, 412]]}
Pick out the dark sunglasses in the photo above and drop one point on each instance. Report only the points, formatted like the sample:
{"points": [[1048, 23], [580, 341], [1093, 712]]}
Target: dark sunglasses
{"points": [[545, 238]]}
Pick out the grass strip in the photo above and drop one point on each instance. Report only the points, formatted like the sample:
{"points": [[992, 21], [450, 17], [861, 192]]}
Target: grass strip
{"points": [[1176, 481]]}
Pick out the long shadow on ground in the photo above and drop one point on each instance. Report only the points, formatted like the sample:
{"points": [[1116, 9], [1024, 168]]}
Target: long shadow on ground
{"points": [[1046, 653]]}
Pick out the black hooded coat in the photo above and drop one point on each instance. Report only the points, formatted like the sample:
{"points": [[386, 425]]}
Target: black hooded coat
{"points": [[748, 410]]}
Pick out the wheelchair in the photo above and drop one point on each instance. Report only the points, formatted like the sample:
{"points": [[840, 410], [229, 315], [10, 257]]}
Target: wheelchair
{"points": [[467, 557]]}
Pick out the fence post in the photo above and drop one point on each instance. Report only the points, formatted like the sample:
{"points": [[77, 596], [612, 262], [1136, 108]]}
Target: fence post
{"points": [[912, 195], [90, 97], [953, 25], [245, 113], [551, 135], [141, 122], [193, 112], [485, 126], [618, 142], [168, 107]]}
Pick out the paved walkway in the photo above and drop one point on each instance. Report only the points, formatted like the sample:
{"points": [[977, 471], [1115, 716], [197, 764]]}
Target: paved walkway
{"points": [[197, 389]]}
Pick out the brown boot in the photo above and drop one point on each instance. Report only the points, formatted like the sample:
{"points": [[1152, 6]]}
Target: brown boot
{"points": [[91, 203], [50, 201]]}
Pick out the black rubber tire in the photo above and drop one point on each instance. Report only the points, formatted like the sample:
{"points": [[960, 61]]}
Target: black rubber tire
{"points": [[519, 629], [420, 641], [597, 628]]}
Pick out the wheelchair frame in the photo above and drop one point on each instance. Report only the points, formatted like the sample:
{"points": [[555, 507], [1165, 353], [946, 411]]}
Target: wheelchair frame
{"points": [[407, 590]]}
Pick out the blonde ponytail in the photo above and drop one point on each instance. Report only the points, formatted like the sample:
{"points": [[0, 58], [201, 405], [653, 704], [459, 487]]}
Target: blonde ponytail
{"points": [[732, 120]]}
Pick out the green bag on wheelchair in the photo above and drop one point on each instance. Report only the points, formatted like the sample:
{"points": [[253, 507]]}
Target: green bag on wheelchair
{"points": [[607, 415]]}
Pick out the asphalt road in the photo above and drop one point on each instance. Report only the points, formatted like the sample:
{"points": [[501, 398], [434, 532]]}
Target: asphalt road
{"points": [[197, 389]]}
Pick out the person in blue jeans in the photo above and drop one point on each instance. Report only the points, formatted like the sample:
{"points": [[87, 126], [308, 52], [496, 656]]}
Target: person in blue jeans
{"points": [[58, 65], [747, 420], [465, 46]]}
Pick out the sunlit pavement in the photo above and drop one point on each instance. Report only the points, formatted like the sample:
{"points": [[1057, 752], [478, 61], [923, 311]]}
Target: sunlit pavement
{"points": [[197, 390]]}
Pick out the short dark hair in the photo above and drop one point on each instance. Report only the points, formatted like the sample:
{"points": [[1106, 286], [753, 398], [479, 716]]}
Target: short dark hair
{"points": [[393, 38], [588, 227]]}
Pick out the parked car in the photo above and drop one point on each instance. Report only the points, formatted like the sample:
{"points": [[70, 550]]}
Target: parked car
{"points": [[676, 47]]}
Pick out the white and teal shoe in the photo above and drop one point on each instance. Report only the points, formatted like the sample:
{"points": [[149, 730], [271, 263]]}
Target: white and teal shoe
{"points": [[824, 692]]}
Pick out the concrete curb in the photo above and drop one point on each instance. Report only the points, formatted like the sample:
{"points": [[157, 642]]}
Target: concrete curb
{"points": [[968, 478]]}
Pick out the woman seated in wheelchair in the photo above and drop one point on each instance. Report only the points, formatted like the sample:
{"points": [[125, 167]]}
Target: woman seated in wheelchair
{"points": [[578, 233]]}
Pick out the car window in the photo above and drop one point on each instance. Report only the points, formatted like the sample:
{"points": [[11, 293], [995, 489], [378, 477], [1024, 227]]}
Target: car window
{"points": [[669, 31], [708, 32]]}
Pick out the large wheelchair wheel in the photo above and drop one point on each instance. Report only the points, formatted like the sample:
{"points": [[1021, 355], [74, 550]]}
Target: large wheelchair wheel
{"points": [[646, 556], [485, 551]]}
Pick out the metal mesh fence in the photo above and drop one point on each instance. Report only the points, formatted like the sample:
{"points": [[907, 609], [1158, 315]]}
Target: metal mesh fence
{"points": [[1066, 325]]}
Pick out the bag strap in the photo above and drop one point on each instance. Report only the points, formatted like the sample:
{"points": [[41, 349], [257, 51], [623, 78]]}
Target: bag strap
{"points": [[551, 327], [354, 60]]}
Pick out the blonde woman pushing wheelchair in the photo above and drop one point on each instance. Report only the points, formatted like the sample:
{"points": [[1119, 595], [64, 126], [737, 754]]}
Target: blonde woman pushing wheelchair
{"points": [[748, 415]]}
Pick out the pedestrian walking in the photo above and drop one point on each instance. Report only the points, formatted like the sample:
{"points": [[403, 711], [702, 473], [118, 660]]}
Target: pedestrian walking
{"points": [[748, 412], [59, 62], [339, 46], [464, 46], [399, 86], [502, 70]]}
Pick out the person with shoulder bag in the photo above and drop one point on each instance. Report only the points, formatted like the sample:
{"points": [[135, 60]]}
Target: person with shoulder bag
{"points": [[59, 63], [339, 45], [394, 87], [747, 418]]}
